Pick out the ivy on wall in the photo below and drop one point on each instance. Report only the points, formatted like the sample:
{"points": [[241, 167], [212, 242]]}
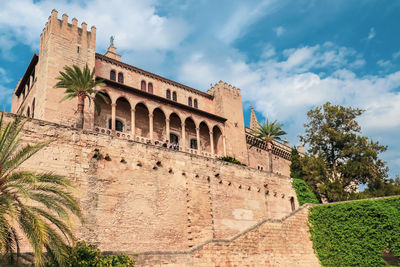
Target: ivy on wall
{"points": [[303, 192], [356, 233]]}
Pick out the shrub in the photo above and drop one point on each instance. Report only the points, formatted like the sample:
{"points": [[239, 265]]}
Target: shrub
{"points": [[89, 256], [232, 160], [304, 194], [356, 233]]}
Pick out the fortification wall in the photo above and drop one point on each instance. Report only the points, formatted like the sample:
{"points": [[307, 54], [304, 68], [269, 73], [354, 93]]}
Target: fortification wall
{"points": [[138, 197], [283, 242]]}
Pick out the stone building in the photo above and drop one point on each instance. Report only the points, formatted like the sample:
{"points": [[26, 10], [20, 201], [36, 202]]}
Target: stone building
{"points": [[143, 106], [139, 195]]}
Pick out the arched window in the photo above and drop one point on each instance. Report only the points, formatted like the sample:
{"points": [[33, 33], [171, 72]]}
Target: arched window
{"points": [[143, 86], [190, 101], [195, 104], [174, 97], [120, 77], [168, 94], [112, 75], [150, 88], [33, 108]]}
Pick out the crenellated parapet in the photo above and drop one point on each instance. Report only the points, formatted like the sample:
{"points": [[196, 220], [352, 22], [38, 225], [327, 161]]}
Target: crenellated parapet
{"points": [[224, 86], [62, 27]]}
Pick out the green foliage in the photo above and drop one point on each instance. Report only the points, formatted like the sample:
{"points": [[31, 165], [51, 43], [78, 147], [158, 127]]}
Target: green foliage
{"points": [[340, 158], [304, 194], [269, 131], [39, 205], [232, 160], [89, 256], [295, 165], [356, 233]]}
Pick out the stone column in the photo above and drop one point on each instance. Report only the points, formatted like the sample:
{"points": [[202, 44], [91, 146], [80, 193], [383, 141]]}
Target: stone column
{"points": [[183, 137], [198, 138], [167, 129], [151, 126], [212, 142], [133, 121], [113, 112]]}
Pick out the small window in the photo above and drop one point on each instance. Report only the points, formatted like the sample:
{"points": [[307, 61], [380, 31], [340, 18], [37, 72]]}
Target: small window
{"points": [[292, 204], [120, 77], [112, 75], [168, 94], [33, 108], [193, 143], [150, 88], [28, 112], [143, 86], [195, 104], [190, 101], [174, 97]]}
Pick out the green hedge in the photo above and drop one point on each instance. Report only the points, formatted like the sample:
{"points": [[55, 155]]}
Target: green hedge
{"points": [[304, 194], [89, 256], [356, 233], [231, 160]]}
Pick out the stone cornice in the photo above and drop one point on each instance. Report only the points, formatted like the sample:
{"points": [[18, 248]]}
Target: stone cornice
{"points": [[152, 75]]}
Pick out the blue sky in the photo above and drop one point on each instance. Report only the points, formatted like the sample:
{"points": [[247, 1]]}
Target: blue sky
{"points": [[286, 56]]}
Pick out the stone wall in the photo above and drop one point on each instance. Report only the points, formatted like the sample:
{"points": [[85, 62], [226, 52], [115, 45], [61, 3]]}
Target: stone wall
{"points": [[284, 242], [139, 197]]}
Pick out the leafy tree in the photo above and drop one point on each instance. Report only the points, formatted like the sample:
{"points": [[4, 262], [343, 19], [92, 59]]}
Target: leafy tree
{"points": [[269, 132], [81, 84], [295, 165], [341, 158], [40, 205]]}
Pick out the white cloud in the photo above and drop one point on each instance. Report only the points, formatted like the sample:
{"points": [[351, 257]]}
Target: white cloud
{"points": [[3, 77], [135, 24], [384, 63], [279, 31], [396, 55], [5, 96], [243, 16], [371, 34]]}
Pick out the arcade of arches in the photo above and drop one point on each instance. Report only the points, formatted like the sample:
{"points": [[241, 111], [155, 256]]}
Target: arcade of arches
{"points": [[157, 126]]}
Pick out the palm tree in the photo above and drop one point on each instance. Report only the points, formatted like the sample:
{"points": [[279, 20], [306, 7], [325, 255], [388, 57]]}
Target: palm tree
{"points": [[269, 132], [80, 83], [37, 205]]}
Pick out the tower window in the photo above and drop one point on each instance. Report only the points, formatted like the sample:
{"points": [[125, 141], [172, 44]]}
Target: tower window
{"points": [[150, 88], [168, 94], [112, 75], [174, 96], [195, 104], [120, 77], [190, 101], [143, 86]]}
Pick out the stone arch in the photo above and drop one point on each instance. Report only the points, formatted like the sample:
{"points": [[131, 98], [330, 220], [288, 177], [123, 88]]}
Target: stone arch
{"points": [[101, 120], [142, 128], [159, 125], [122, 114], [175, 125], [205, 143], [218, 141], [190, 133]]}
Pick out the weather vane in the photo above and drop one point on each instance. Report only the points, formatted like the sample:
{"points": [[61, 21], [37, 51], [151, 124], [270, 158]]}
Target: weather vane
{"points": [[112, 40]]}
